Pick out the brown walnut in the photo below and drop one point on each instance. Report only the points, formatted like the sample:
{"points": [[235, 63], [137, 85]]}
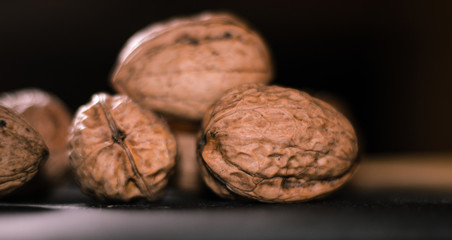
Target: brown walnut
{"points": [[275, 144], [182, 66], [119, 151], [22, 150], [51, 118]]}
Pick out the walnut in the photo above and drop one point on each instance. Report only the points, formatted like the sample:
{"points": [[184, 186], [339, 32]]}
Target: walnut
{"points": [[22, 150], [275, 144], [51, 118], [182, 66], [119, 151], [187, 176]]}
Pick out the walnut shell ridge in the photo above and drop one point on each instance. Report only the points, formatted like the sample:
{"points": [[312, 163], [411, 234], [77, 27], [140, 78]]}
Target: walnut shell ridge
{"points": [[22, 150], [182, 66], [119, 151], [275, 144]]}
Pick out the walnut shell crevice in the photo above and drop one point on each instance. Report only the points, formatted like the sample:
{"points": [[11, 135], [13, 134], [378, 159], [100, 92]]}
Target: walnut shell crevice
{"points": [[120, 152]]}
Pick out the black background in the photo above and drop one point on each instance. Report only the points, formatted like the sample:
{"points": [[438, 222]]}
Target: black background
{"points": [[388, 62]]}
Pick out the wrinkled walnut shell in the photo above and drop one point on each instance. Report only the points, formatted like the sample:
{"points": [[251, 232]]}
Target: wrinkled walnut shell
{"points": [[22, 150], [51, 118], [119, 151], [182, 66], [275, 144]]}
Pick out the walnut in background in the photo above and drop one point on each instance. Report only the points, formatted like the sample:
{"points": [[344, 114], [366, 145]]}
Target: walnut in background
{"points": [[187, 174], [50, 117], [182, 66], [22, 150]]}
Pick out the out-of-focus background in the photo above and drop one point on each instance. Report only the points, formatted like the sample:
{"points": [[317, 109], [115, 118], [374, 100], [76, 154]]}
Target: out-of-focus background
{"points": [[388, 62]]}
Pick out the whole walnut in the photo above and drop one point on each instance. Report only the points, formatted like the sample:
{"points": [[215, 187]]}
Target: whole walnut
{"points": [[275, 144], [182, 66], [51, 118], [22, 150], [119, 151]]}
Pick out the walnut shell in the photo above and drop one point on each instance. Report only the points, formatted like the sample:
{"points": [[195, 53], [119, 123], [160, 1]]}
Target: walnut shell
{"points": [[22, 150], [275, 144], [51, 118], [182, 66], [119, 151]]}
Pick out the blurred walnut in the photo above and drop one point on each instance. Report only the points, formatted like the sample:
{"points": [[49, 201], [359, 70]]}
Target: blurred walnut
{"points": [[275, 144], [119, 151], [182, 66], [50, 117], [22, 150], [187, 176]]}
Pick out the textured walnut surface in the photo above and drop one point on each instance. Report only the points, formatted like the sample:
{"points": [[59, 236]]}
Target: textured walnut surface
{"points": [[22, 150], [276, 144], [119, 151], [50, 117], [182, 66]]}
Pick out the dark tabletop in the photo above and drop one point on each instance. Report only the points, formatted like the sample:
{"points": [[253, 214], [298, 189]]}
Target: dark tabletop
{"points": [[347, 214]]}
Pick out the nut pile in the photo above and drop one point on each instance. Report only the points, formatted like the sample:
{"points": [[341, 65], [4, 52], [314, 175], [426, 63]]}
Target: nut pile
{"points": [[181, 67], [207, 75]]}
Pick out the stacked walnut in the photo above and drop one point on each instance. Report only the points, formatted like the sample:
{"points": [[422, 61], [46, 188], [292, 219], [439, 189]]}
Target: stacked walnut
{"points": [[181, 67], [118, 148], [270, 144], [206, 75]]}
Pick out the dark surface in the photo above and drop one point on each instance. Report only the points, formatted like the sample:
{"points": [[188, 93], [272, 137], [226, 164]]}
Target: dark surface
{"points": [[347, 214]]}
